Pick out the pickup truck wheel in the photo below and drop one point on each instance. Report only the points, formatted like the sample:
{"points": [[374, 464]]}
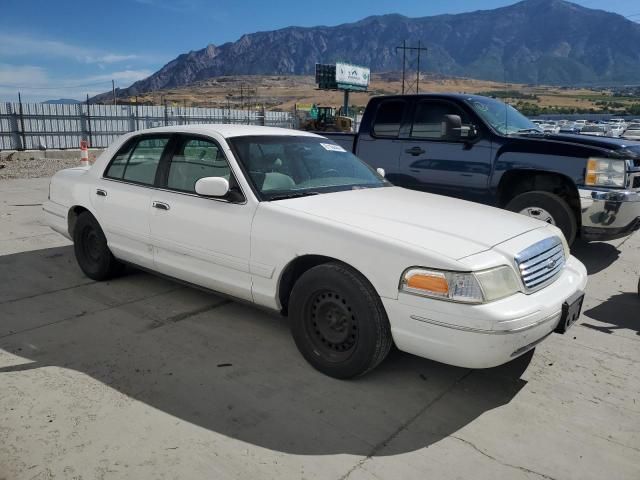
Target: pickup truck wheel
{"points": [[92, 253], [549, 208], [338, 321]]}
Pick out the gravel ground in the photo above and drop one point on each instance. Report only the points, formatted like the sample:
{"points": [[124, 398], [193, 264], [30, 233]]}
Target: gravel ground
{"points": [[37, 164]]}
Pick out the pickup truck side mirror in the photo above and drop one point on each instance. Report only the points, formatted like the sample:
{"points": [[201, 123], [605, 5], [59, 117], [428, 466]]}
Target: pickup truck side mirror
{"points": [[451, 127]]}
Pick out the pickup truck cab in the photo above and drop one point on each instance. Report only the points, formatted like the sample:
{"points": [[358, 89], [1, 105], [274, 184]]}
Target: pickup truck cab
{"points": [[292, 222], [480, 149]]}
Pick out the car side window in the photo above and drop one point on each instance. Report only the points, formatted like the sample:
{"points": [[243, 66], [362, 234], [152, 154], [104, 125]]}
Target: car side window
{"points": [[116, 167], [389, 118], [195, 159], [138, 162], [428, 118]]}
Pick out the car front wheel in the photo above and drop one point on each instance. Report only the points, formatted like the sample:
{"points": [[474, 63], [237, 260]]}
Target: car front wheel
{"points": [[338, 321], [547, 207]]}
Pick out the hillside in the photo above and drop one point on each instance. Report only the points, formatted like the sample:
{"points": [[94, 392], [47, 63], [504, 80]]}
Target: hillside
{"points": [[533, 41]]}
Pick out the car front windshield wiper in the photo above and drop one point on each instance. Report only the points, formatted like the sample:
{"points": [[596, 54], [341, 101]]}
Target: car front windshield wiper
{"points": [[285, 196], [530, 130]]}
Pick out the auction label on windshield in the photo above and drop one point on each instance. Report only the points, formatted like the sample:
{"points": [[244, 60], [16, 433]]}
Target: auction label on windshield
{"points": [[333, 148]]}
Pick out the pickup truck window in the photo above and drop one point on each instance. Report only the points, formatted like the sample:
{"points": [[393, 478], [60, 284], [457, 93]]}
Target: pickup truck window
{"points": [[138, 164], [389, 118], [428, 118], [281, 166], [503, 118], [195, 159]]}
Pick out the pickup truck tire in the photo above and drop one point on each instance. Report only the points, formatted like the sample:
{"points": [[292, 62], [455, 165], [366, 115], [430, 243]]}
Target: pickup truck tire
{"points": [[338, 321], [92, 253], [550, 207]]}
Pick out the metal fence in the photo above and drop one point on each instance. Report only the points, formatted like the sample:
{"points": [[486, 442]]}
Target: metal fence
{"points": [[25, 126]]}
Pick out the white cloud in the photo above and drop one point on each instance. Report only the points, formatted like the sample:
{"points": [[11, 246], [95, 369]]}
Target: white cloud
{"points": [[12, 45], [36, 84], [22, 74]]}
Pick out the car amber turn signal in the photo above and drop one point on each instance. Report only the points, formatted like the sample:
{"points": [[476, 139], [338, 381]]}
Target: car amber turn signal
{"points": [[433, 282]]}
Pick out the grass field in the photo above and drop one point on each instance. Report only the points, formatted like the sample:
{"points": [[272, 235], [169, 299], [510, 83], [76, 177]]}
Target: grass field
{"points": [[283, 92]]}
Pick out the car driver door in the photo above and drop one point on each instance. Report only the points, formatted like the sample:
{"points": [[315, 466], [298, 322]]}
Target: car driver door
{"points": [[201, 240], [456, 166]]}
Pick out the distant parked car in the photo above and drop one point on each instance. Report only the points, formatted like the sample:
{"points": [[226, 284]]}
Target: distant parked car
{"points": [[294, 223], [580, 124], [570, 128], [632, 132], [594, 130]]}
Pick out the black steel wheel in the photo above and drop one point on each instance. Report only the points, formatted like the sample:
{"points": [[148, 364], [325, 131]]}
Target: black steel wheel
{"points": [[338, 321], [331, 325], [92, 253]]}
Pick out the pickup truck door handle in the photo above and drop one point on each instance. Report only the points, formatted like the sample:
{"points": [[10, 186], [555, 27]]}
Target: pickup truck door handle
{"points": [[101, 193], [415, 151], [160, 205]]}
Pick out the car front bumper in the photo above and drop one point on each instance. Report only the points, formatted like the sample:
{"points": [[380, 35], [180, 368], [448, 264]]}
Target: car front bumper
{"points": [[481, 336], [607, 215]]}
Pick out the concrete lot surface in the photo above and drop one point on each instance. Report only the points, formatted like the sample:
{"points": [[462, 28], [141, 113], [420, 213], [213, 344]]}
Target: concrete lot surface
{"points": [[144, 378]]}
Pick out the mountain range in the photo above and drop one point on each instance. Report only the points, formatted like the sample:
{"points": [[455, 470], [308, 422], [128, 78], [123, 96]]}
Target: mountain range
{"points": [[533, 41]]}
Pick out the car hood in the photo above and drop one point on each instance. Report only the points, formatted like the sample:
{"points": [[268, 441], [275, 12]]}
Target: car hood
{"points": [[454, 228], [588, 139]]}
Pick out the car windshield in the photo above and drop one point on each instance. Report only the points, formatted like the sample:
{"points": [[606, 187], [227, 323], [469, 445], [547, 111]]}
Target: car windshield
{"points": [[593, 128], [634, 126], [502, 117], [282, 166]]}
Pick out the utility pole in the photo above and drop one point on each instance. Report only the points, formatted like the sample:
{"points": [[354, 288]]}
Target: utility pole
{"points": [[419, 49], [404, 60], [113, 89]]}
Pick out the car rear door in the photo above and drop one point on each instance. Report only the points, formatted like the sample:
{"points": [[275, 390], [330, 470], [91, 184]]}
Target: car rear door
{"points": [[122, 197], [205, 241], [380, 145], [430, 161]]}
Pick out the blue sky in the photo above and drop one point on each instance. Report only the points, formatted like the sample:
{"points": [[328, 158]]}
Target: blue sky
{"points": [[68, 48]]}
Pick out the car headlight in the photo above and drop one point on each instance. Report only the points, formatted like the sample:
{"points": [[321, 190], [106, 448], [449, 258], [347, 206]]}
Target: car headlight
{"points": [[605, 172], [477, 287]]}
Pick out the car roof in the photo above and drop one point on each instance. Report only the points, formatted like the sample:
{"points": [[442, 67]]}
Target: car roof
{"points": [[228, 130]]}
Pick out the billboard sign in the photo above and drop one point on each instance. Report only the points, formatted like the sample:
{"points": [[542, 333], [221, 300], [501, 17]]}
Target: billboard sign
{"points": [[348, 75]]}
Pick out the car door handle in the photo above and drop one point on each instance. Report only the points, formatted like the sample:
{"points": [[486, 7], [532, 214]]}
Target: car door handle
{"points": [[160, 205], [101, 193], [415, 151]]}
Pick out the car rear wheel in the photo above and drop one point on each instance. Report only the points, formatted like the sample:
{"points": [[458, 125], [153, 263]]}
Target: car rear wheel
{"points": [[92, 253], [338, 321], [547, 207]]}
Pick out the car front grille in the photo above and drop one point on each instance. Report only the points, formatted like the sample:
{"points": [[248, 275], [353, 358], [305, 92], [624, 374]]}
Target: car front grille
{"points": [[541, 263]]}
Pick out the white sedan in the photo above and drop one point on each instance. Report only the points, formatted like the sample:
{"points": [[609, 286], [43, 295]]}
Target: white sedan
{"points": [[290, 221]]}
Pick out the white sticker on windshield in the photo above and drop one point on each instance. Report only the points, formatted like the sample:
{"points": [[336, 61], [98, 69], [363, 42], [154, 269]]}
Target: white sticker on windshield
{"points": [[333, 148]]}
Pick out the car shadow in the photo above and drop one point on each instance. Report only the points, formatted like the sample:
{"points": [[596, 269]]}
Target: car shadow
{"points": [[596, 256], [618, 312], [228, 367]]}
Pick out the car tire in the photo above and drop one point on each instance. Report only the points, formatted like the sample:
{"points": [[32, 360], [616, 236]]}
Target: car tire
{"points": [[548, 207], [91, 250], [338, 321]]}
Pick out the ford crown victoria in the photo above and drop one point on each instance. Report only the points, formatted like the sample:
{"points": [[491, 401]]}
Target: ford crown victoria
{"points": [[290, 221]]}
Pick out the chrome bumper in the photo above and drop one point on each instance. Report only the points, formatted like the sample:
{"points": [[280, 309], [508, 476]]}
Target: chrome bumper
{"points": [[607, 215]]}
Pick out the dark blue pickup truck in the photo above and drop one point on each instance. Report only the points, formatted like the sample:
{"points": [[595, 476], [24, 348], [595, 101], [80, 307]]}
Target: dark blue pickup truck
{"points": [[480, 149]]}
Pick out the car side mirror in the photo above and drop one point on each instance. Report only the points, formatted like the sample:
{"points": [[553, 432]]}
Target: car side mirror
{"points": [[212, 187], [451, 126], [381, 172]]}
